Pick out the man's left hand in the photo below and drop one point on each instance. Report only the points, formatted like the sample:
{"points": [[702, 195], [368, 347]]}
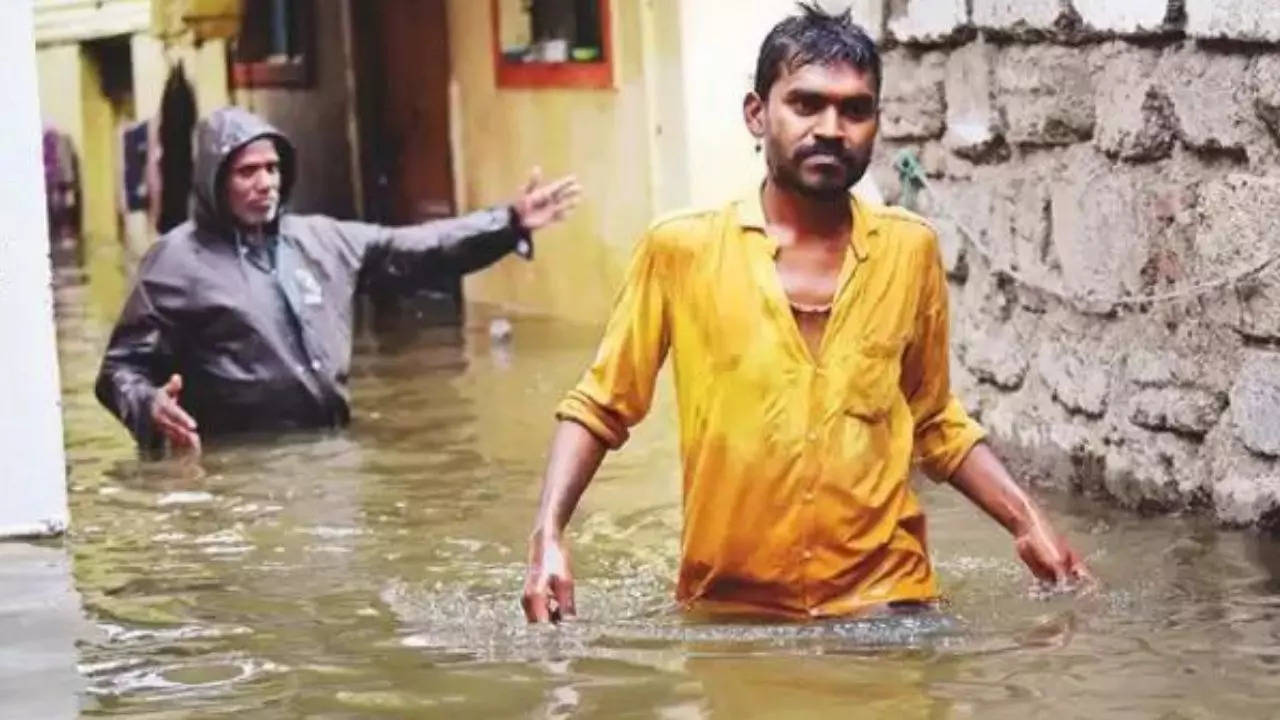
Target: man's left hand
{"points": [[1049, 557], [540, 205]]}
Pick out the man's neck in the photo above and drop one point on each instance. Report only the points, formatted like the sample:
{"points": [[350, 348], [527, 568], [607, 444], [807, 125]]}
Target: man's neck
{"points": [[805, 218], [255, 235]]}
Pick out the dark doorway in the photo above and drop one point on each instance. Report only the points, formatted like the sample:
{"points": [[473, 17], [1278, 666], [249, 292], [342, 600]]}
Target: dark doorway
{"points": [[402, 65]]}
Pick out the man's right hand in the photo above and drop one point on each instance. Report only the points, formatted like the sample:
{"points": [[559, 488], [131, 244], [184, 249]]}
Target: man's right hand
{"points": [[548, 583], [171, 420]]}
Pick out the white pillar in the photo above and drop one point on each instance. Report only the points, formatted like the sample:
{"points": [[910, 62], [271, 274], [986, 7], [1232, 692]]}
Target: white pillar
{"points": [[33, 495]]}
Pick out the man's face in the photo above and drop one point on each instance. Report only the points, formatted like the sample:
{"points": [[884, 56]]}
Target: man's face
{"points": [[818, 127], [253, 183]]}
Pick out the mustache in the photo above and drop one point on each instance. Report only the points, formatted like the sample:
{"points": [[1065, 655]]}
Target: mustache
{"points": [[830, 149]]}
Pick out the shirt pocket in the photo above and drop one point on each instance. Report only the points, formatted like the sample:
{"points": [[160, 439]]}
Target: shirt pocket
{"points": [[875, 368]]}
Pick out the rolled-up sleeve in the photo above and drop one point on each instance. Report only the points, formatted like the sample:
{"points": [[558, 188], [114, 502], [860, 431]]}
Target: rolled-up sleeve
{"points": [[616, 391], [944, 432]]}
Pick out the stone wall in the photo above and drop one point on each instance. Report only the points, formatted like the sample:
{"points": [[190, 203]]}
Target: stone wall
{"points": [[1098, 150]]}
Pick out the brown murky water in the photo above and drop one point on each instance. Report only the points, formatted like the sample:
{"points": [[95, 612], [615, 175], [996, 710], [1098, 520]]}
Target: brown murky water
{"points": [[375, 572]]}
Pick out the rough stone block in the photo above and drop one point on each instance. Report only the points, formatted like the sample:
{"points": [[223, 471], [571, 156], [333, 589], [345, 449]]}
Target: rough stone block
{"points": [[1127, 17], [996, 356], [913, 105], [1243, 500], [1255, 404], [1191, 413], [1046, 95], [1260, 309], [975, 131], [1101, 234], [1078, 383], [1236, 231], [1018, 15], [1157, 474], [1211, 100], [949, 206], [1019, 231], [1246, 20], [1135, 116], [1159, 369], [1237, 220], [867, 13], [926, 21], [1266, 92], [954, 250]]}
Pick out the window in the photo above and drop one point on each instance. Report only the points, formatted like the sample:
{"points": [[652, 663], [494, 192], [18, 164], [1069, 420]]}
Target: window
{"points": [[276, 44], [552, 43]]}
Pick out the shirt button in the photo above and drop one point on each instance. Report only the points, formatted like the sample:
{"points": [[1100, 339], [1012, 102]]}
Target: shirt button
{"points": [[814, 612], [813, 437], [808, 554], [315, 365], [808, 496]]}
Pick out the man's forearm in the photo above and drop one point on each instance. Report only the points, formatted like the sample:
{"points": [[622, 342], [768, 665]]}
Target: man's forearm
{"points": [[461, 244], [984, 480], [128, 395], [575, 456]]}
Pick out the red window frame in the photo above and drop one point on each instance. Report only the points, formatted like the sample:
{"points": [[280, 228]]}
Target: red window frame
{"points": [[297, 72], [587, 75]]}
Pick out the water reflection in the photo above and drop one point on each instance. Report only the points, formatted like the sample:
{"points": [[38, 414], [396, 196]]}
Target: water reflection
{"points": [[375, 572]]}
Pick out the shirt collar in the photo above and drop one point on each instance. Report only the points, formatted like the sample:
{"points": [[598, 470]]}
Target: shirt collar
{"points": [[751, 217]]}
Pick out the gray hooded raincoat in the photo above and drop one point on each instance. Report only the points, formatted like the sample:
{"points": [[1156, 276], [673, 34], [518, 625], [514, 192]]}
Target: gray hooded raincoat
{"points": [[266, 346]]}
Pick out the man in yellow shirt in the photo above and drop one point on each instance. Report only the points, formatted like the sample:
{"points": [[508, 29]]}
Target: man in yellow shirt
{"points": [[808, 333]]}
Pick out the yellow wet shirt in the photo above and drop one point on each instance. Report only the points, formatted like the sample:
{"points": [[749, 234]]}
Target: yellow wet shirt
{"points": [[795, 468]]}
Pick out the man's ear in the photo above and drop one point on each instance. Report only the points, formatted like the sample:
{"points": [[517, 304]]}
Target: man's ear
{"points": [[753, 112]]}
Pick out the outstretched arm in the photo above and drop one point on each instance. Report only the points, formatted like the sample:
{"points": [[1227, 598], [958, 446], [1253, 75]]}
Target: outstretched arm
{"points": [[406, 258]]}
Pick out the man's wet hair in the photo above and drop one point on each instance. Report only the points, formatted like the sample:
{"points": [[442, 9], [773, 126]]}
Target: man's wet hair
{"points": [[815, 37]]}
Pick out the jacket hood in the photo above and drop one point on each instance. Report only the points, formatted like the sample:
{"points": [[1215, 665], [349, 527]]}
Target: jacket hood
{"points": [[218, 137]]}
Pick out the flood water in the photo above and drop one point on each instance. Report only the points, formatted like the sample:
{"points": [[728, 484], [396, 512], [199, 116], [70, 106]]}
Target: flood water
{"points": [[375, 572]]}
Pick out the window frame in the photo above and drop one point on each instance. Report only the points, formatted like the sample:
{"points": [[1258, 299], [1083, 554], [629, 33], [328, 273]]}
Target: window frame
{"points": [[596, 75], [296, 73]]}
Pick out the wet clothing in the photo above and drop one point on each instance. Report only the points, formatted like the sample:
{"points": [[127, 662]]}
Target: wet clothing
{"points": [[796, 494], [261, 332]]}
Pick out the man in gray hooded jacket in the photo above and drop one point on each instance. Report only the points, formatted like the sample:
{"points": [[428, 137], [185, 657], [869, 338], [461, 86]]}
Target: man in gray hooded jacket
{"points": [[240, 320]]}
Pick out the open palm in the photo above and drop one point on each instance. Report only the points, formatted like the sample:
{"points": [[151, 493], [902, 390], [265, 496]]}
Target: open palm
{"points": [[541, 204]]}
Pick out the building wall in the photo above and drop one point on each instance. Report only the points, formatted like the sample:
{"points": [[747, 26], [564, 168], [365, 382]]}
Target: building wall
{"points": [[100, 163], [1095, 151], [72, 101], [62, 21], [315, 119], [61, 100], [205, 67], [600, 135], [671, 136]]}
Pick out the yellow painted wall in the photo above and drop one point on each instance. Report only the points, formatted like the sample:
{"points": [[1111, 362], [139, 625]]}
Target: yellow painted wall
{"points": [[64, 21], [208, 63], [71, 99], [99, 164], [665, 67], [61, 101], [602, 136]]}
